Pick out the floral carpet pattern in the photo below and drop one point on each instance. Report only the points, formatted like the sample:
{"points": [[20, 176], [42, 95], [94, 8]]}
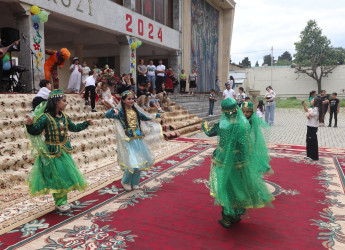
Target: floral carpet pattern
{"points": [[172, 209]]}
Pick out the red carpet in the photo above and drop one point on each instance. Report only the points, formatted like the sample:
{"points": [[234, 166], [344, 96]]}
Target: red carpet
{"points": [[173, 210]]}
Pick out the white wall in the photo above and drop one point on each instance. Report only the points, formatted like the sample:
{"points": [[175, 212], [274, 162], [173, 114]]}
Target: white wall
{"points": [[287, 83]]}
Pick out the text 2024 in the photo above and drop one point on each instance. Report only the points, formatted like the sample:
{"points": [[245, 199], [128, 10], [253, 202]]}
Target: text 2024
{"points": [[141, 29]]}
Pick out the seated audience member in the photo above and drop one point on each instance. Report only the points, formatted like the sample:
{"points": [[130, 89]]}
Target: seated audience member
{"points": [[124, 84], [43, 94], [134, 95], [154, 101], [107, 99], [143, 96], [163, 97]]}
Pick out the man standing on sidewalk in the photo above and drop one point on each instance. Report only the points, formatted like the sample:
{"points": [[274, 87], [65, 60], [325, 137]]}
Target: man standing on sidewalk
{"points": [[228, 92]]}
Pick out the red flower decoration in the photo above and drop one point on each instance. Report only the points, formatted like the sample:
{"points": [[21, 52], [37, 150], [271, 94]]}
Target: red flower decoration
{"points": [[108, 70], [37, 46], [132, 54]]}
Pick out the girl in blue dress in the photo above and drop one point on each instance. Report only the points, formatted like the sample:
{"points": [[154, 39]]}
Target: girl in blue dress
{"points": [[136, 132]]}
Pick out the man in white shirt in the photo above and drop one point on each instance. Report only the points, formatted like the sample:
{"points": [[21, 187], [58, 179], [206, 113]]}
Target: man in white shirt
{"points": [[90, 86], [160, 70], [228, 92]]}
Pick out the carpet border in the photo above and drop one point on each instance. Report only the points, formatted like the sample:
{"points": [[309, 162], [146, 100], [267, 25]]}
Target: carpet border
{"points": [[68, 220]]}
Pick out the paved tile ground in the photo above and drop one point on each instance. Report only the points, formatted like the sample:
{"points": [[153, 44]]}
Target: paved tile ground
{"points": [[290, 128]]}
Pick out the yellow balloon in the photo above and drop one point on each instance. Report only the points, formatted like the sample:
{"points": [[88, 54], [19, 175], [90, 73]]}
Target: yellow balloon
{"points": [[35, 10], [134, 45]]}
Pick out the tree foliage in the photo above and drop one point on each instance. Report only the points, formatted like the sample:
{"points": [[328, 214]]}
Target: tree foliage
{"points": [[246, 63], [286, 56], [267, 60], [257, 64], [315, 56], [282, 63]]}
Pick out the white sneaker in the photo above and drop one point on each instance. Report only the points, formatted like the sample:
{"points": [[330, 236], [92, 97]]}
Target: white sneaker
{"points": [[135, 187], [127, 187], [63, 208], [209, 115], [161, 111]]}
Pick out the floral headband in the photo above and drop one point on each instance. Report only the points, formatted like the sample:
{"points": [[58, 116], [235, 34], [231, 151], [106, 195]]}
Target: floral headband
{"points": [[126, 93], [56, 94]]}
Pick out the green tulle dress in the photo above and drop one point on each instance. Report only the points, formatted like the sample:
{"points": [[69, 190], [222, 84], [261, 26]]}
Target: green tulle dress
{"points": [[54, 170], [236, 174]]}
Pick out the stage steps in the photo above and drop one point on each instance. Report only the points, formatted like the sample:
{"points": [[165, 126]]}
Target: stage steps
{"points": [[93, 147]]}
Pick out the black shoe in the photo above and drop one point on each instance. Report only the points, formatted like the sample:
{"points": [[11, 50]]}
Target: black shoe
{"points": [[224, 223], [94, 110], [236, 221], [335, 126], [329, 125]]}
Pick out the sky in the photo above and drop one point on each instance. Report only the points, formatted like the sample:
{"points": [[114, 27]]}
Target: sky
{"points": [[261, 24]]}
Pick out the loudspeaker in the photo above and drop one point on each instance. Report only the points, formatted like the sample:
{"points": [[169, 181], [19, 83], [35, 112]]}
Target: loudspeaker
{"points": [[9, 36]]}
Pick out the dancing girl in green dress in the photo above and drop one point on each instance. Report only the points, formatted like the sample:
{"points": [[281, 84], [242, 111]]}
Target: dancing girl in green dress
{"points": [[54, 170], [236, 176]]}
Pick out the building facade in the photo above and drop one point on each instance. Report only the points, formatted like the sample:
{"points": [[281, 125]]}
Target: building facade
{"points": [[185, 34]]}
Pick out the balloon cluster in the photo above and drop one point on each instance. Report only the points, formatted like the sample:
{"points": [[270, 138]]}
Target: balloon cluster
{"points": [[38, 16], [135, 43], [7, 64]]}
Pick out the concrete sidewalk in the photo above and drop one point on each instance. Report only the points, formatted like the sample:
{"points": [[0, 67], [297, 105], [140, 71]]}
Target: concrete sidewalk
{"points": [[290, 128]]}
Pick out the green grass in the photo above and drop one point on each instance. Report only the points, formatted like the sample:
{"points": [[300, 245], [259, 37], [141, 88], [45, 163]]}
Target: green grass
{"points": [[293, 102]]}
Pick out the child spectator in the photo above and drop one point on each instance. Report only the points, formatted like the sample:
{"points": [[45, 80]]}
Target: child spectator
{"points": [[163, 97], [247, 99], [312, 94], [313, 115], [183, 80], [85, 70], [43, 94], [260, 109], [75, 78], [212, 99], [90, 89], [240, 96], [154, 101], [334, 108], [107, 99]]}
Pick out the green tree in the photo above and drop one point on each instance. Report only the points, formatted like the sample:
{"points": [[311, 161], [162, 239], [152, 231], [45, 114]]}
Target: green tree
{"points": [[286, 56], [267, 60], [315, 56], [339, 55], [246, 63], [282, 63], [257, 64]]}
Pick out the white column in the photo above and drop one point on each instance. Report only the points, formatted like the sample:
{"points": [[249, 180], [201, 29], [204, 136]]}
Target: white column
{"points": [[128, 57], [34, 34]]}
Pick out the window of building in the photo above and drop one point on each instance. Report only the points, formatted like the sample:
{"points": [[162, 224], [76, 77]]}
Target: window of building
{"points": [[159, 10]]}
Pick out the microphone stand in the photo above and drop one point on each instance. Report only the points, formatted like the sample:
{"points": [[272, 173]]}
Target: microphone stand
{"points": [[33, 90]]}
